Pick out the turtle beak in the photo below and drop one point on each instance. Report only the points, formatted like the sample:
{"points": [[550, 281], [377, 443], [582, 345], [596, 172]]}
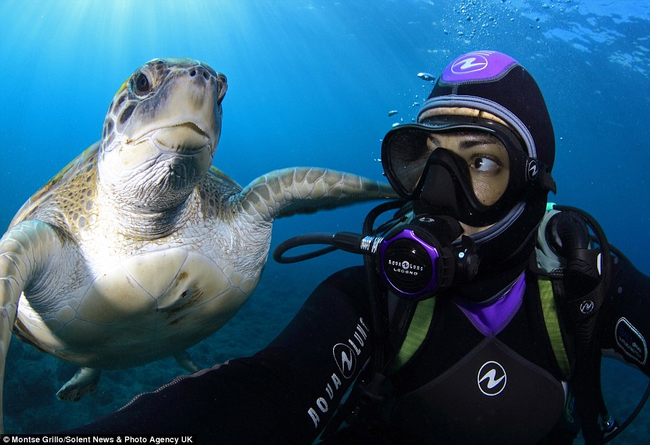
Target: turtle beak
{"points": [[186, 138], [185, 114]]}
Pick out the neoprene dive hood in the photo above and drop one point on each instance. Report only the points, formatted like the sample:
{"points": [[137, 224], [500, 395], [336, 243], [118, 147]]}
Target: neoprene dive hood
{"points": [[497, 86]]}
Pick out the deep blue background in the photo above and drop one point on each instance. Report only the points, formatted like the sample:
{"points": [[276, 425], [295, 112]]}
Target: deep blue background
{"points": [[311, 83]]}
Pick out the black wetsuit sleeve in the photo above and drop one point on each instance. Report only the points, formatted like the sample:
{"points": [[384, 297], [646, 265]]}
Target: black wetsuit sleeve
{"points": [[286, 393], [625, 316]]}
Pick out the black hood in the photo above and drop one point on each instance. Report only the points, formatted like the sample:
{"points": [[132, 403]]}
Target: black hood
{"points": [[497, 84]]}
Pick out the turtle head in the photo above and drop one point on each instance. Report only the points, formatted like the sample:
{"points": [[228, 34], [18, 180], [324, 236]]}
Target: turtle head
{"points": [[161, 132]]}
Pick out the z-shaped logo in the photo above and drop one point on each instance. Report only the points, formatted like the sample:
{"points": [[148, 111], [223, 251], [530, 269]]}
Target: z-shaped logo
{"points": [[470, 64], [346, 359], [491, 378]]}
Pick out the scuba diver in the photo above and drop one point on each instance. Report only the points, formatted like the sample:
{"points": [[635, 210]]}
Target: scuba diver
{"points": [[480, 315]]}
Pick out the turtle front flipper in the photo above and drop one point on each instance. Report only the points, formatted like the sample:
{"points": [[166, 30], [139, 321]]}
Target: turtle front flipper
{"points": [[84, 382], [184, 359], [26, 252], [289, 191]]}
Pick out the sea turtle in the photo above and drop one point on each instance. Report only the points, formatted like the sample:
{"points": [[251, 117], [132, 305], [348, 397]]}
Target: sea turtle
{"points": [[140, 248]]}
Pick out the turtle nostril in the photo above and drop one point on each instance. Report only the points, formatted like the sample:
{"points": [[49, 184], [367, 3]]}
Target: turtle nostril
{"points": [[200, 71]]}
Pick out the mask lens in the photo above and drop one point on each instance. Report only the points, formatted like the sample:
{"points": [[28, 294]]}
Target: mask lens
{"points": [[404, 157], [485, 162], [472, 179]]}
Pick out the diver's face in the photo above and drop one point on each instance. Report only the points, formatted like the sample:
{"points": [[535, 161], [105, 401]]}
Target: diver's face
{"points": [[487, 159]]}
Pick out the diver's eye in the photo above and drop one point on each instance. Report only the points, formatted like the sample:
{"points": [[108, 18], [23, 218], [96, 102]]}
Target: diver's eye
{"points": [[484, 165], [141, 84]]}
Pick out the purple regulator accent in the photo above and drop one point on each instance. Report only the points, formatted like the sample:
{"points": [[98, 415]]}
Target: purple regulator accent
{"points": [[491, 319], [404, 267], [477, 66]]}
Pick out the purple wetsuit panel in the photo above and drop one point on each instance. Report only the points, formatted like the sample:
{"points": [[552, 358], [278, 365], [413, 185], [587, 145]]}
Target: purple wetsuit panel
{"points": [[490, 319]]}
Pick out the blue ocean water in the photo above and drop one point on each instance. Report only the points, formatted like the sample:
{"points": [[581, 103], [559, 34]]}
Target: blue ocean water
{"points": [[311, 82]]}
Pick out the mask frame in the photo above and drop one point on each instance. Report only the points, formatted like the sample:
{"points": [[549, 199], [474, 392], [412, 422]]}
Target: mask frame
{"points": [[439, 182]]}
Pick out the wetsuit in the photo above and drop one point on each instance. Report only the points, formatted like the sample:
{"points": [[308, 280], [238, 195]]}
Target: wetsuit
{"points": [[452, 390]]}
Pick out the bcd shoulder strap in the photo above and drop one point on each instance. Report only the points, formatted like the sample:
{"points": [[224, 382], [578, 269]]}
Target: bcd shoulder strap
{"points": [[553, 325], [422, 318], [416, 333], [579, 294]]}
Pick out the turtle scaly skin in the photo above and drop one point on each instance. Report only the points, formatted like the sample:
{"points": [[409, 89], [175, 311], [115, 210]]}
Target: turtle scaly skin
{"points": [[140, 248]]}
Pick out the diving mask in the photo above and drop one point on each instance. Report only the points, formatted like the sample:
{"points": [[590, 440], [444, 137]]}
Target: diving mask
{"points": [[439, 181]]}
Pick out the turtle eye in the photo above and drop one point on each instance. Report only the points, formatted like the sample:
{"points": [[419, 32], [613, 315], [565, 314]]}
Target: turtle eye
{"points": [[141, 84]]}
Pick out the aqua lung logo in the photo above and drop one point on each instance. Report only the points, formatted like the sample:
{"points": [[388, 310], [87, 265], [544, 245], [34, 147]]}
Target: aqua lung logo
{"points": [[405, 267], [631, 342], [587, 307], [345, 356], [472, 63], [346, 359], [478, 66], [491, 378], [533, 169]]}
